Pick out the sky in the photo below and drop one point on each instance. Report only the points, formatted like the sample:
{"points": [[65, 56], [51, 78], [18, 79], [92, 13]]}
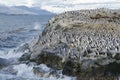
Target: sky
{"points": [[36, 2], [63, 5]]}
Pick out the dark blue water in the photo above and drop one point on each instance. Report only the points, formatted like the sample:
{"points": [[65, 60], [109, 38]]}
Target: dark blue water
{"points": [[16, 29]]}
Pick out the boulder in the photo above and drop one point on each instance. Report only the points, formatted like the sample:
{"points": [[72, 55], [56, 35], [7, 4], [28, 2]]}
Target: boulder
{"points": [[83, 42], [4, 62]]}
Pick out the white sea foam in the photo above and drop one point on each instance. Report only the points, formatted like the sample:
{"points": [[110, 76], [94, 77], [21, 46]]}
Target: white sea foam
{"points": [[26, 71], [15, 52], [37, 26]]}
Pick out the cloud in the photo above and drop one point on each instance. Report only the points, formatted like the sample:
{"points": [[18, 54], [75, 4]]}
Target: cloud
{"points": [[58, 6], [30, 3], [12, 2], [86, 1]]}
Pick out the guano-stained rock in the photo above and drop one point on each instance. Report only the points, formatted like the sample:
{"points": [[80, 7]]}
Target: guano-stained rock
{"points": [[81, 42]]}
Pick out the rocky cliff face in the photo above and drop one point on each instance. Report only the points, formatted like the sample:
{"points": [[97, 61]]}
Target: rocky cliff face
{"points": [[85, 42]]}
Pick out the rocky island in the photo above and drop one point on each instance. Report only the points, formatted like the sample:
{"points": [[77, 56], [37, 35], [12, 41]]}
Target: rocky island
{"points": [[83, 43]]}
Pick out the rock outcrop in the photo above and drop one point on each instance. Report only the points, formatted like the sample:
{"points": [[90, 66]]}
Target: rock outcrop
{"points": [[85, 42]]}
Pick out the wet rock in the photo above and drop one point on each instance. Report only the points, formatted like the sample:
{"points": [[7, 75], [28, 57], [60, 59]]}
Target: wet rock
{"points": [[51, 60], [4, 62], [24, 57], [43, 71], [71, 68], [97, 78], [22, 48]]}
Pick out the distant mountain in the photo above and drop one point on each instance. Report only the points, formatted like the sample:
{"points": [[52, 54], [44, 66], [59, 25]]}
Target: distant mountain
{"points": [[13, 10], [22, 10], [36, 10]]}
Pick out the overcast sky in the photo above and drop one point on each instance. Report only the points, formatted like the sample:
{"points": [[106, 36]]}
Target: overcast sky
{"points": [[41, 2], [62, 5]]}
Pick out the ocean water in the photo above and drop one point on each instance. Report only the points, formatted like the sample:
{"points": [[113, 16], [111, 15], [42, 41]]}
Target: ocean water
{"points": [[15, 32], [16, 29]]}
